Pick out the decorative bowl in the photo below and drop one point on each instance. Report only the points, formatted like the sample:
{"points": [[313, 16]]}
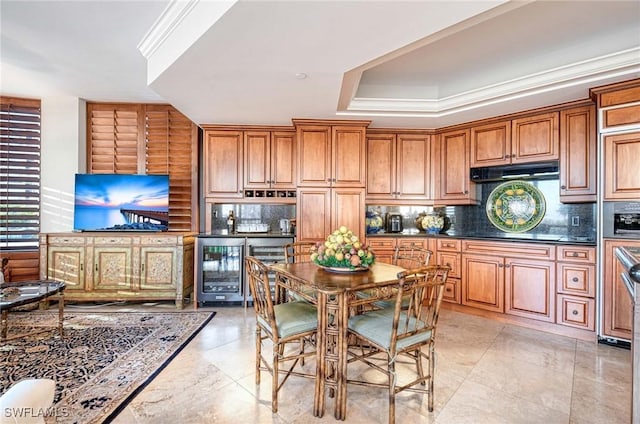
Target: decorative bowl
{"points": [[432, 223]]}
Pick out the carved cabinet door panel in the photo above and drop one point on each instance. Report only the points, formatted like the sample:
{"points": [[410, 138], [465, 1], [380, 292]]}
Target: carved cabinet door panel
{"points": [[158, 266], [112, 268], [67, 264]]}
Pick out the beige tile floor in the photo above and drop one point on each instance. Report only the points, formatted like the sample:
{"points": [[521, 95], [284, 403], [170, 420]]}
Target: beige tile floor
{"points": [[486, 372]]}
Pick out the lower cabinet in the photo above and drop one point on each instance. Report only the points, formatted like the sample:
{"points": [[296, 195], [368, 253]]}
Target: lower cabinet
{"points": [[132, 266], [447, 252], [576, 287], [511, 278], [617, 309]]}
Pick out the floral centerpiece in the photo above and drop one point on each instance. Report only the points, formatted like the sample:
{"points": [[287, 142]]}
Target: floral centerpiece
{"points": [[342, 250]]}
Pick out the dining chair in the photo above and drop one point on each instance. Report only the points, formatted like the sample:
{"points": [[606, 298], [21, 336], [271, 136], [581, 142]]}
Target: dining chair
{"points": [[282, 324], [295, 253], [298, 251], [383, 336], [407, 256]]}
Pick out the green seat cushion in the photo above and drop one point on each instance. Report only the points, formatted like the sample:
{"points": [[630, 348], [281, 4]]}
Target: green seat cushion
{"points": [[376, 326], [293, 318]]}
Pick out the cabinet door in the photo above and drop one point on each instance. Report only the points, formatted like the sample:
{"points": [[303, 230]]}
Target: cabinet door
{"points": [[530, 289], [283, 159], [578, 155], [348, 156], [313, 214], [579, 312], [535, 138], [158, 268], [450, 259], [257, 159], [112, 268], [491, 144], [223, 164], [617, 320], [455, 184], [483, 282], [381, 166], [67, 264], [314, 155], [348, 209], [576, 279], [452, 290], [413, 168], [622, 179]]}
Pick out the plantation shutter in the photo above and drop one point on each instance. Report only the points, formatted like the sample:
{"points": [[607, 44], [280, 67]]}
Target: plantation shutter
{"points": [[169, 149], [114, 136], [19, 173]]}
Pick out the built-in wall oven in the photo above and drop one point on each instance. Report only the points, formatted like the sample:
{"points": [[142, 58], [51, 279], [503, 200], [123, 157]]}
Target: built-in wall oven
{"points": [[220, 271], [621, 220]]}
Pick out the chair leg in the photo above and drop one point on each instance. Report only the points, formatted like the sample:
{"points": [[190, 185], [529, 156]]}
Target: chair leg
{"points": [[258, 353], [392, 392], [277, 351], [432, 367]]}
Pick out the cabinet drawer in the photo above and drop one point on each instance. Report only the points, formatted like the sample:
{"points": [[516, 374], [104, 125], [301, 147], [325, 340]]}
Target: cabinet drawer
{"points": [[382, 244], [452, 291], [419, 242], [449, 245], [576, 311], [576, 254], [510, 249], [112, 241], [68, 240], [576, 279], [159, 241]]}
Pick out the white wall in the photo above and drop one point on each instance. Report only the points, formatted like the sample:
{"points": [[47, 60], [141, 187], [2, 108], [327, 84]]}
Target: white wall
{"points": [[63, 154]]}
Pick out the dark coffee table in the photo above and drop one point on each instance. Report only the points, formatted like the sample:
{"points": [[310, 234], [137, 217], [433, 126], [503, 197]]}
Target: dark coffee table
{"points": [[26, 293]]}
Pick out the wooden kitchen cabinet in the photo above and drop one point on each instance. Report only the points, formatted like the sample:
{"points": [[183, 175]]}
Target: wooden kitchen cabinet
{"points": [[456, 187], [576, 286], [617, 318], [621, 176], [490, 144], [331, 153], [270, 159], [535, 138], [132, 266], [398, 167], [521, 140], [578, 153], [447, 252], [385, 247], [223, 163], [508, 277], [320, 211]]}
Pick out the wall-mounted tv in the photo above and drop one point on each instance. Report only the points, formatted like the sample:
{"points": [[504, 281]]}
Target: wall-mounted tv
{"points": [[121, 202]]}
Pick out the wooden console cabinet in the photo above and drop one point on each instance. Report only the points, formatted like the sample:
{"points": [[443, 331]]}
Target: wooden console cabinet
{"points": [[120, 266]]}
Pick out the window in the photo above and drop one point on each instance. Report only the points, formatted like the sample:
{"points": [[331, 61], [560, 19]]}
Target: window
{"points": [[19, 173]]}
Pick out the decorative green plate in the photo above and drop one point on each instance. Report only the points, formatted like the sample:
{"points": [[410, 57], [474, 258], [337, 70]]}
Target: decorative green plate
{"points": [[515, 206]]}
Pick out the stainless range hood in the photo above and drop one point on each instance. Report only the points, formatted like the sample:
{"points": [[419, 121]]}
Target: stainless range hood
{"points": [[527, 171]]}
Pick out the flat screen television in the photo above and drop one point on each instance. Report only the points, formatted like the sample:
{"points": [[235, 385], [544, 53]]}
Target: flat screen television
{"points": [[121, 202]]}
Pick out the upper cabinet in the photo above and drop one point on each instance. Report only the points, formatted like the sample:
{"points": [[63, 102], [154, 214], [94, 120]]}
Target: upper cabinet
{"points": [[455, 188], [578, 155], [622, 179], [223, 163], [619, 128], [521, 140], [270, 159], [331, 153], [399, 167]]}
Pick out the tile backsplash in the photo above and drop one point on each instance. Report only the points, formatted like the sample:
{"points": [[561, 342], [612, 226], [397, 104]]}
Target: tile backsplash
{"points": [[562, 219]]}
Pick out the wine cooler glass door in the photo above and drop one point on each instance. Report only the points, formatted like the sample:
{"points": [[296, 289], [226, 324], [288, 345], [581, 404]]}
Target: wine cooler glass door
{"points": [[220, 273]]}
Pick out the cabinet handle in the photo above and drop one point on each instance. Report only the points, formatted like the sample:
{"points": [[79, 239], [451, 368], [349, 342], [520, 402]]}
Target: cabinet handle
{"points": [[466, 192], [507, 266], [448, 289], [563, 187], [96, 267], [575, 279], [143, 267], [574, 254], [500, 266], [574, 312], [82, 267]]}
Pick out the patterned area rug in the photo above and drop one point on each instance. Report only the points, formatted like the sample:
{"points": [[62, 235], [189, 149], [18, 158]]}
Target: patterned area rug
{"points": [[103, 361]]}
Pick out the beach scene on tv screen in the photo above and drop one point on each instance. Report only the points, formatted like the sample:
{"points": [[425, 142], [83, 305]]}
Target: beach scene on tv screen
{"points": [[121, 202]]}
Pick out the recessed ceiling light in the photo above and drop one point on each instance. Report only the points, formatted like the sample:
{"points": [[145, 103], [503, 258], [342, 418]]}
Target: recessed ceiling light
{"points": [[301, 75]]}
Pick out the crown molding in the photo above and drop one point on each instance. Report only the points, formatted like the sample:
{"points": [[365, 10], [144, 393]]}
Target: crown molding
{"points": [[168, 21], [588, 71]]}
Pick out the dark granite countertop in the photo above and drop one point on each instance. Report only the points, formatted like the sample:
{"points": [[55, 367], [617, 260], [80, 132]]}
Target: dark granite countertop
{"points": [[225, 234], [519, 237]]}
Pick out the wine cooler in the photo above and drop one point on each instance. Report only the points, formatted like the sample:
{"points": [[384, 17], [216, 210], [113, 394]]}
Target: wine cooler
{"points": [[220, 269]]}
